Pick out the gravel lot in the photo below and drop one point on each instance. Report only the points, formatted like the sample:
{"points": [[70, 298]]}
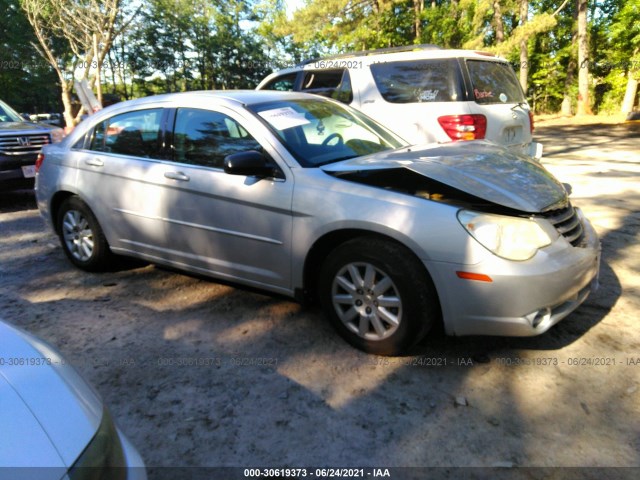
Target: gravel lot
{"points": [[201, 374]]}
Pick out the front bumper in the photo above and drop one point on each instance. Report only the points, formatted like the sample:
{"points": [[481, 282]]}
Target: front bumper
{"points": [[135, 465], [17, 171], [523, 298]]}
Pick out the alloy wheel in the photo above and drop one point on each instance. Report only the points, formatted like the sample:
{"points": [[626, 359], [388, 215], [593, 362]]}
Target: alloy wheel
{"points": [[367, 301]]}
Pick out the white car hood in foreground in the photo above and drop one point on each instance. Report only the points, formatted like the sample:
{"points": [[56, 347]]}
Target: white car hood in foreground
{"points": [[479, 168], [48, 414]]}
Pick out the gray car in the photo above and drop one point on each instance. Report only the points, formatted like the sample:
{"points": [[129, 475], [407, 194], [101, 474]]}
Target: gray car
{"points": [[303, 196], [20, 143]]}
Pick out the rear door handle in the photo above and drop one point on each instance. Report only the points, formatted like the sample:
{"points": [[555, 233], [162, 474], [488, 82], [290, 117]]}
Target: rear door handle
{"points": [[177, 176], [94, 162]]}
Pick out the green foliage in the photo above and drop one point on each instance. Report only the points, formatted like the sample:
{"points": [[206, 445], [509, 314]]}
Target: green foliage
{"points": [[181, 45], [27, 83], [610, 91], [176, 45], [448, 25]]}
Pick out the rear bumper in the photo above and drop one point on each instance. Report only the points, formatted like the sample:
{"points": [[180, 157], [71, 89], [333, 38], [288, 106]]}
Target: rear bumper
{"points": [[523, 298], [533, 150]]}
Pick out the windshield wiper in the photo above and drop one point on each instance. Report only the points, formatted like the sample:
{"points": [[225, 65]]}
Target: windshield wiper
{"points": [[519, 105]]}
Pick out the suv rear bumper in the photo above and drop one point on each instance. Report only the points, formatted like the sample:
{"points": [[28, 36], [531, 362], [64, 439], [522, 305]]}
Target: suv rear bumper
{"points": [[535, 150], [532, 150]]}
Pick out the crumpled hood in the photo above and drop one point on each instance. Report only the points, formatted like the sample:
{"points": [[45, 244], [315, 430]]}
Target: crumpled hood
{"points": [[479, 168]]}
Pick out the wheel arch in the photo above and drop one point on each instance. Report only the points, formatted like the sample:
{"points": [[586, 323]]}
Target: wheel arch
{"points": [[56, 202], [328, 242]]}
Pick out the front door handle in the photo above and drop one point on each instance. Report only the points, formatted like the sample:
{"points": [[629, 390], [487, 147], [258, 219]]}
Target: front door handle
{"points": [[94, 162], [177, 176]]}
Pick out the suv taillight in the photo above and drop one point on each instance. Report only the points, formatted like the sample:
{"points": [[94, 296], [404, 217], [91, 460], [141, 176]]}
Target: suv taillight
{"points": [[39, 161], [464, 127], [531, 121]]}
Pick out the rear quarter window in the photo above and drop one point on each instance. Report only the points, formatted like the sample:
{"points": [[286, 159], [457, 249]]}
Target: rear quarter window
{"points": [[334, 84], [418, 81], [494, 82]]}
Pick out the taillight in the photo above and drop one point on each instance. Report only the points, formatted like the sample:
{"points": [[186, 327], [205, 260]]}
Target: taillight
{"points": [[39, 161], [464, 127], [531, 121]]}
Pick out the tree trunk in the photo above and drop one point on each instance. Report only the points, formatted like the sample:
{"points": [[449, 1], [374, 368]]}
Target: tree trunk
{"points": [[630, 94], [418, 5], [565, 109], [524, 49], [66, 102], [497, 22], [567, 100], [584, 107]]}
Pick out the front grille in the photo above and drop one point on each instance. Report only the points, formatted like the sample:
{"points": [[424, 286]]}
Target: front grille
{"points": [[568, 224], [23, 144]]}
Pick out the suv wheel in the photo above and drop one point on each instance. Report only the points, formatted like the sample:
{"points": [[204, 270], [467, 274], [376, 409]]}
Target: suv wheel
{"points": [[377, 296], [82, 238]]}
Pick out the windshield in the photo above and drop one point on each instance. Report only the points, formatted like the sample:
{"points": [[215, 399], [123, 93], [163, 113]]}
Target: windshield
{"points": [[8, 114], [317, 132], [494, 82]]}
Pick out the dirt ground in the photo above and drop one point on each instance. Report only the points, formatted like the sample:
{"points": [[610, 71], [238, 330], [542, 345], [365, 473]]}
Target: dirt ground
{"points": [[200, 374]]}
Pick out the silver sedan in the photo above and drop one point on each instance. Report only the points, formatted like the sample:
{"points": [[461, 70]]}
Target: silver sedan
{"points": [[305, 197]]}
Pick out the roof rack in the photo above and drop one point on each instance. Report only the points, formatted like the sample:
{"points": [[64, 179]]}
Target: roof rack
{"points": [[364, 53]]}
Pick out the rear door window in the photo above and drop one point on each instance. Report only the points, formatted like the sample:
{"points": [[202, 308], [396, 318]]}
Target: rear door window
{"points": [[494, 82], [134, 133], [418, 81]]}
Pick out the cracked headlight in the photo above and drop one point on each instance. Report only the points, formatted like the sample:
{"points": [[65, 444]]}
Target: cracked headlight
{"points": [[513, 238]]}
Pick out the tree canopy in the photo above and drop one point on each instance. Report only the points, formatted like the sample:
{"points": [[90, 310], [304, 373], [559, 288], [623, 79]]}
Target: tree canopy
{"points": [[153, 46]]}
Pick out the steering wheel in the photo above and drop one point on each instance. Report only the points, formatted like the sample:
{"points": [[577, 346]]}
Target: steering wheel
{"points": [[331, 137]]}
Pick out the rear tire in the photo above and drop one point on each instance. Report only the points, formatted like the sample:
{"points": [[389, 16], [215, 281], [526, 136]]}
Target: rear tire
{"points": [[378, 296], [82, 238]]}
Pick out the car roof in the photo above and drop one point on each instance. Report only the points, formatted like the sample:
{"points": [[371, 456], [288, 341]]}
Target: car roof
{"points": [[202, 98], [217, 97], [412, 52], [369, 57]]}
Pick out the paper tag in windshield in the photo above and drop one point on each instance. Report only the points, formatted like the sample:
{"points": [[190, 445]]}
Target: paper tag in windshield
{"points": [[283, 118]]}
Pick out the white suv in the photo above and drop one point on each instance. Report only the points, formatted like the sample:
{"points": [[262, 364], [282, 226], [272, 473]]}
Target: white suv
{"points": [[423, 93]]}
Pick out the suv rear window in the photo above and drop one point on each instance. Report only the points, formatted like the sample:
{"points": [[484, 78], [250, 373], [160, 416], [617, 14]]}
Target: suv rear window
{"points": [[418, 81], [494, 82]]}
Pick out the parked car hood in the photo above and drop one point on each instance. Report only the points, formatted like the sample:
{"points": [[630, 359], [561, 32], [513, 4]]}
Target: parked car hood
{"points": [[49, 414], [25, 127], [479, 168]]}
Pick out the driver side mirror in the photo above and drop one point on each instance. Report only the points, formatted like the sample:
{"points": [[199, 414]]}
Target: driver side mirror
{"points": [[251, 164]]}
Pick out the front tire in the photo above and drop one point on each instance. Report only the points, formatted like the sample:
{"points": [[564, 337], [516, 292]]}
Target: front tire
{"points": [[82, 239], [378, 296]]}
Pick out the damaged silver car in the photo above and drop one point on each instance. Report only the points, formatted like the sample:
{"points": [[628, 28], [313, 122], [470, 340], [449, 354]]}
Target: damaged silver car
{"points": [[306, 197]]}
